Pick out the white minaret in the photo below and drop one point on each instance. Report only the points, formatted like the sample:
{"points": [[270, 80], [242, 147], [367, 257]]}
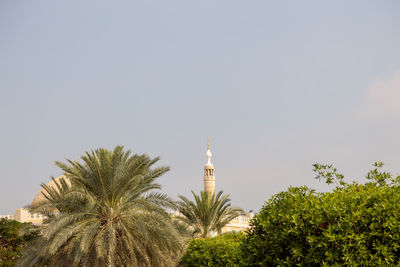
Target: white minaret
{"points": [[209, 178]]}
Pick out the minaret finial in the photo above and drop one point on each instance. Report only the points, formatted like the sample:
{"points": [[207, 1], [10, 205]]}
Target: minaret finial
{"points": [[209, 178]]}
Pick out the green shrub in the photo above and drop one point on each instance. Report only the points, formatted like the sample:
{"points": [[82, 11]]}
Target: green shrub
{"points": [[13, 237], [355, 225], [221, 250]]}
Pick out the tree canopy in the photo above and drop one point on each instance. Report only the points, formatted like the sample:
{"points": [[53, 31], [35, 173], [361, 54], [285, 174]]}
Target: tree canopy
{"points": [[107, 211], [222, 250], [208, 213], [355, 224], [13, 238]]}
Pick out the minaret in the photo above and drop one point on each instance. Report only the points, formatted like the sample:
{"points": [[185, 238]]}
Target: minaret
{"points": [[209, 178]]}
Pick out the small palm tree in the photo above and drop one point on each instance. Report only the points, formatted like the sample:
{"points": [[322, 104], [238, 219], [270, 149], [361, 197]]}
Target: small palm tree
{"points": [[208, 213], [106, 212]]}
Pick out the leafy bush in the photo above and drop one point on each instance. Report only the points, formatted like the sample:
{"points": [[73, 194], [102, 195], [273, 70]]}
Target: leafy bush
{"points": [[12, 240], [355, 225], [221, 250]]}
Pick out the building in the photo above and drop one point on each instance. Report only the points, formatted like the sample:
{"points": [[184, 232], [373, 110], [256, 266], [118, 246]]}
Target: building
{"points": [[240, 223], [23, 215], [10, 217], [209, 177]]}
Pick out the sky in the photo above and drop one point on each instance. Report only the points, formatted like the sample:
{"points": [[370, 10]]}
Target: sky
{"points": [[276, 85]]}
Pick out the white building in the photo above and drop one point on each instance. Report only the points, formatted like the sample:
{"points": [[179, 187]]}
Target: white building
{"points": [[10, 217], [23, 215], [238, 224]]}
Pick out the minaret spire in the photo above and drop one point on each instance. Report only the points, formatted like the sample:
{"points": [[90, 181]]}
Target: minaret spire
{"points": [[209, 178]]}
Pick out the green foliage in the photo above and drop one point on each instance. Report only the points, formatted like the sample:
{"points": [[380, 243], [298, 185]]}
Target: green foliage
{"points": [[106, 212], [329, 173], [13, 237], [221, 250], [207, 214], [355, 224]]}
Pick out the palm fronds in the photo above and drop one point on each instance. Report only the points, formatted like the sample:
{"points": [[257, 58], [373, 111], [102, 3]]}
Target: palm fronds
{"points": [[208, 213], [106, 212]]}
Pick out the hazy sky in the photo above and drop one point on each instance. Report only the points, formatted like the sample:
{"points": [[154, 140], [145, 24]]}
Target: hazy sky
{"points": [[277, 85]]}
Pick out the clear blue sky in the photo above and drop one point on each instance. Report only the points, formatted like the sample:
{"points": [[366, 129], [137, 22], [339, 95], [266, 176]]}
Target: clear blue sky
{"points": [[277, 85]]}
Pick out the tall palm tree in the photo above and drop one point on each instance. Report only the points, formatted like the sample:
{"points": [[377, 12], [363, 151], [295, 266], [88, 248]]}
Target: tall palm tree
{"points": [[208, 213], [106, 212]]}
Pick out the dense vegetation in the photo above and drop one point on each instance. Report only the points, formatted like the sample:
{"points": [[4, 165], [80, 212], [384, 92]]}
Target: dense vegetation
{"points": [[355, 225], [13, 237], [107, 211], [216, 251]]}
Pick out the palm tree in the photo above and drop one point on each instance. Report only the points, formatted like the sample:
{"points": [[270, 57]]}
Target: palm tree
{"points": [[106, 212], [208, 214]]}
